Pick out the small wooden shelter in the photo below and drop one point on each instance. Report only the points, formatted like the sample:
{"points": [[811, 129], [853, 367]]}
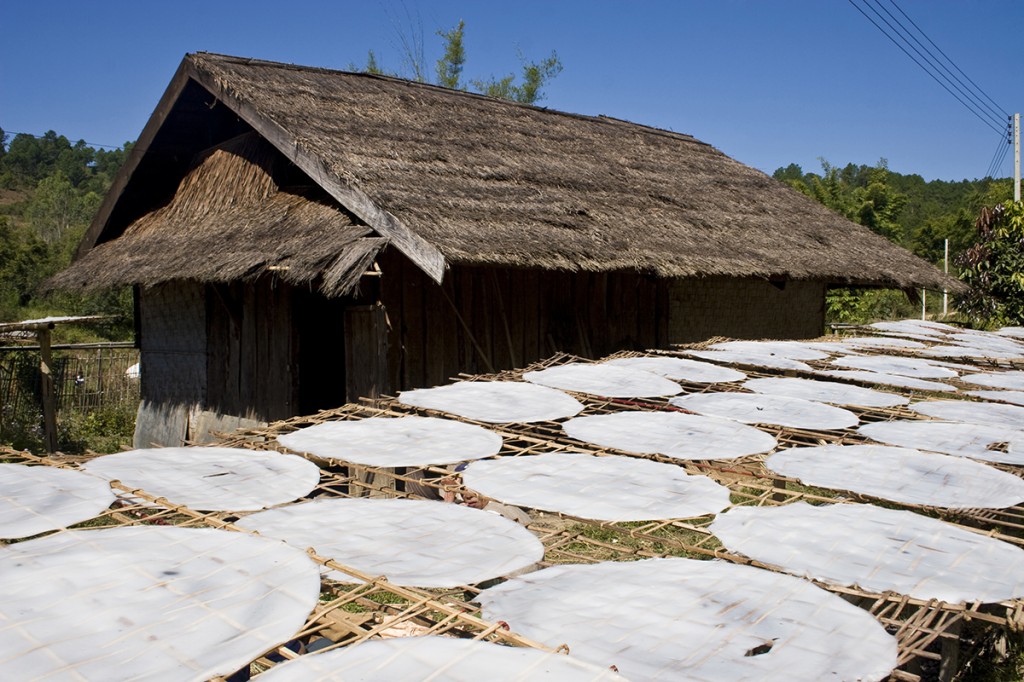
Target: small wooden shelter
{"points": [[300, 237]]}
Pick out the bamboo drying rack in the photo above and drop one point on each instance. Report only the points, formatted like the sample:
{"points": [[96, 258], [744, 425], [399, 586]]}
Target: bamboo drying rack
{"points": [[935, 639]]}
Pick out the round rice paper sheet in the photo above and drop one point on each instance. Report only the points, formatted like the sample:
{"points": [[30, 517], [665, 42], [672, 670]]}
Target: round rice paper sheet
{"points": [[149, 603], [495, 402], [972, 412], [987, 442], [609, 488], [826, 346], [822, 391], [35, 499], [883, 379], [1015, 397], [674, 434], [964, 351], [682, 369], [1011, 380], [756, 408], [750, 359], [413, 659], [927, 338], [683, 619], [901, 475], [926, 327], [395, 441], [794, 350], [877, 549], [411, 542], [988, 341], [887, 364], [211, 479], [604, 380], [881, 342]]}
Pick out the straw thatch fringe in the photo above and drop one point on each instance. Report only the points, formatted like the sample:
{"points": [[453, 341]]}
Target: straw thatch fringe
{"points": [[230, 220]]}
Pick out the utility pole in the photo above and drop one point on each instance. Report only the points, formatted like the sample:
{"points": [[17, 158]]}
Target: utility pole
{"points": [[1016, 157]]}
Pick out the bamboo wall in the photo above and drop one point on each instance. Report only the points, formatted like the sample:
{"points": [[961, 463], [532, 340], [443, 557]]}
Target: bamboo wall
{"points": [[265, 350], [745, 309], [261, 350], [173, 342]]}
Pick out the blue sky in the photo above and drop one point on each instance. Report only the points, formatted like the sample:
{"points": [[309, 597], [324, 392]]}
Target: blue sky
{"points": [[769, 82]]}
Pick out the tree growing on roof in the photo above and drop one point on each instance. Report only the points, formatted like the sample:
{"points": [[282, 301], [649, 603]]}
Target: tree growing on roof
{"points": [[449, 68], [535, 75]]}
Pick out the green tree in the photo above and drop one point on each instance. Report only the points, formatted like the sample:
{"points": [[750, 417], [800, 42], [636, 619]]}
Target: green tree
{"points": [[863, 194], [31, 158], [57, 189], [994, 267], [76, 162], [450, 66], [827, 189], [866, 196], [878, 205], [371, 64], [534, 76], [56, 206], [25, 261], [105, 164], [790, 174]]}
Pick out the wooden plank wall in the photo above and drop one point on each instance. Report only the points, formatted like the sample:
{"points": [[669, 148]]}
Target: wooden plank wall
{"points": [[486, 319], [365, 355], [251, 362]]}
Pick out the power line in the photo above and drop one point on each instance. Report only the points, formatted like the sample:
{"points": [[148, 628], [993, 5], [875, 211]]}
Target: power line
{"points": [[976, 86], [997, 158], [935, 63], [977, 112]]}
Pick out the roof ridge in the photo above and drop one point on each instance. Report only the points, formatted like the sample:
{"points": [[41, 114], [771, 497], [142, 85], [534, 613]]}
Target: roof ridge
{"points": [[596, 118]]}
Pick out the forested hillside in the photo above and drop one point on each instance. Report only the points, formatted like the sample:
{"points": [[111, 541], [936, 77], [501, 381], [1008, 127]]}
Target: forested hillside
{"points": [[916, 214], [906, 209], [50, 190]]}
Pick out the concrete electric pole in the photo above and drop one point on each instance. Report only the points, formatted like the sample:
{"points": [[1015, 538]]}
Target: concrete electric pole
{"points": [[1016, 157]]}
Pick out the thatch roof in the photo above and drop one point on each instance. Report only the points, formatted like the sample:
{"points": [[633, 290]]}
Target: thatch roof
{"points": [[231, 220], [449, 177]]}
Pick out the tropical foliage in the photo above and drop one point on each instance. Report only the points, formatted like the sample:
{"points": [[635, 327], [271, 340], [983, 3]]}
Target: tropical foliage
{"points": [[50, 189], [905, 209], [994, 267]]}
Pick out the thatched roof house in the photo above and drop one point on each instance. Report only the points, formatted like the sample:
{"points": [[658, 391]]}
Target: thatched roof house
{"points": [[438, 231]]}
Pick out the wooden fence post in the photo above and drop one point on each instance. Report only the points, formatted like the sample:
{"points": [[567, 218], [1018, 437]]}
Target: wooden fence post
{"points": [[47, 390]]}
